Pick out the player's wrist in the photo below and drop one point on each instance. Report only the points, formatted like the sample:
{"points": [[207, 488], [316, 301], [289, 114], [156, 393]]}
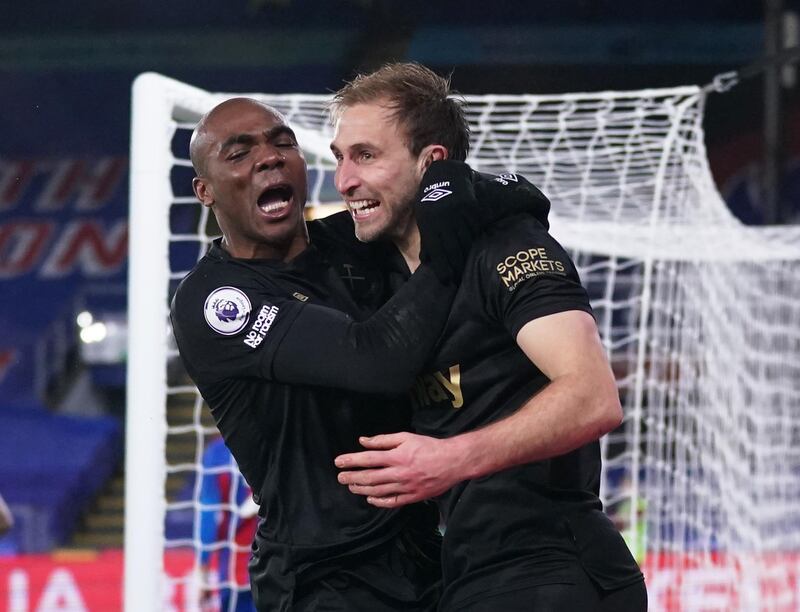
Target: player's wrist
{"points": [[465, 455]]}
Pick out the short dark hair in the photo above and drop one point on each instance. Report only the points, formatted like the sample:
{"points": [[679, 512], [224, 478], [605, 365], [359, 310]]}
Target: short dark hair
{"points": [[420, 101]]}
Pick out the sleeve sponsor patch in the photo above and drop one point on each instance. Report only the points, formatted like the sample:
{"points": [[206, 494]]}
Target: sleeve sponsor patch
{"points": [[528, 263], [264, 320], [227, 310]]}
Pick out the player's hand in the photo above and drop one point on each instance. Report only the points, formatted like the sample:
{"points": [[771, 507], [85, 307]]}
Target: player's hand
{"points": [[509, 194], [399, 469], [448, 217]]}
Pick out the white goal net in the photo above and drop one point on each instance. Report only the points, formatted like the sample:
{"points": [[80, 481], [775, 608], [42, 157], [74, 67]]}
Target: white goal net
{"points": [[700, 316]]}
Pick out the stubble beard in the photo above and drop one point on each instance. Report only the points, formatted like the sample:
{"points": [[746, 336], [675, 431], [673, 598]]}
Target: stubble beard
{"points": [[369, 234], [394, 229]]}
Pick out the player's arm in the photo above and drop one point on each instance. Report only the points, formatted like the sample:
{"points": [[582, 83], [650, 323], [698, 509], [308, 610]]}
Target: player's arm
{"points": [[283, 340], [380, 355], [579, 405], [547, 312], [385, 353], [290, 342]]}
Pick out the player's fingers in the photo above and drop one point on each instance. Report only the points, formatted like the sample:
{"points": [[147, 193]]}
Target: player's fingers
{"points": [[364, 459], [383, 441], [392, 501], [368, 477], [384, 490]]}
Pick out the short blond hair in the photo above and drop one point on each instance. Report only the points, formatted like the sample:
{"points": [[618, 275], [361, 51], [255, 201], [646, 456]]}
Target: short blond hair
{"points": [[420, 101]]}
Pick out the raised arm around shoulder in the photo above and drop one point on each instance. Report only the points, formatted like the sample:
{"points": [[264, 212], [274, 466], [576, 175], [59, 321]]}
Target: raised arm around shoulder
{"points": [[380, 355]]}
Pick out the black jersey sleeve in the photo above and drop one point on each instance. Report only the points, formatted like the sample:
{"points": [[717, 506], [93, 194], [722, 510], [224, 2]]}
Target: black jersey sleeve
{"points": [[526, 274], [380, 355], [228, 323], [242, 328]]}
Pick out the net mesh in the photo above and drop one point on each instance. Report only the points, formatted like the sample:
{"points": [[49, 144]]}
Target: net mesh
{"points": [[698, 313]]}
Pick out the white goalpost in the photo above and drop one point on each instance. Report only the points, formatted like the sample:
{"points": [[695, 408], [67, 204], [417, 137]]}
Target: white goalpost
{"points": [[700, 316]]}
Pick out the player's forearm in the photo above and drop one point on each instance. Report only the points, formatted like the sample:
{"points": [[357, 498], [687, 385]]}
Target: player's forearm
{"points": [[402, 468], [394, 344], [565, 415], [380, 355]]}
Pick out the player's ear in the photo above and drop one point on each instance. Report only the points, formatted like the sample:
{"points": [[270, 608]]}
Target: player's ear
{"points": [[203, 191], [430, 154]]}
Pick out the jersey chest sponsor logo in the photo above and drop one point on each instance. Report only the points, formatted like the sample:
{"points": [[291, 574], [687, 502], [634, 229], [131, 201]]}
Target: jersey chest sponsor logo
{"points": [[227, 310], [264, 320], [430, 390], [526, 264]]}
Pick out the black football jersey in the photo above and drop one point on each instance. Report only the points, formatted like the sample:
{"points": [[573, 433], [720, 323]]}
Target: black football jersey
{"points": [[522, 525], [229, 318]]}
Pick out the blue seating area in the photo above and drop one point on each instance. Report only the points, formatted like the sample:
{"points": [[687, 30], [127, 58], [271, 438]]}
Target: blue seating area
{"points": [[51, 467]]}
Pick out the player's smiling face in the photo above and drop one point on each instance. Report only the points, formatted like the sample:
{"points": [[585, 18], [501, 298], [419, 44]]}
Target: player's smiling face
{"points": [[375, 172], [254, 179]]}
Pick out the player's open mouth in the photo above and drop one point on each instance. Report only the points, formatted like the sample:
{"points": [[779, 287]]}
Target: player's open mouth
{"points": [[361, 209], [275, 201]]}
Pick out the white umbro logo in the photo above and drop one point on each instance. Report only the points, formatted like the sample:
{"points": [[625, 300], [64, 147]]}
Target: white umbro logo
{"points": [[505, 177], [435, 195]]}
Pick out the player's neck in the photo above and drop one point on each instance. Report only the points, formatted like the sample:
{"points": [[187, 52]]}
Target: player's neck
{"points": [[283, 251], [409, 244]]}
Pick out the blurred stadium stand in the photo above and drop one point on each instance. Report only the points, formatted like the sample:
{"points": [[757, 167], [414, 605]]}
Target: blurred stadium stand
{"points": [[51, 467]]}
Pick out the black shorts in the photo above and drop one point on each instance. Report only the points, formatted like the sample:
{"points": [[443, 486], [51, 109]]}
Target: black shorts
{"points": [[583, 594], [395, 576]]}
